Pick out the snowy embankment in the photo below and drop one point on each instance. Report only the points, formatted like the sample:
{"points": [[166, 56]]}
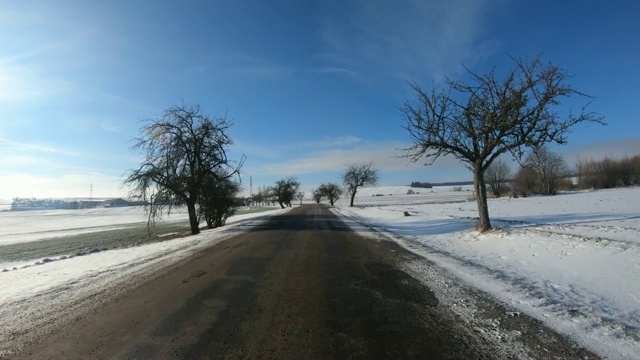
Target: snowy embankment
{"points": [[34, 297], [571, 260]]}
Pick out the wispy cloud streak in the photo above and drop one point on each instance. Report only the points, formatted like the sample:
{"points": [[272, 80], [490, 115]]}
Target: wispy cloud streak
{"points": [[23, 146], [408, 39]]}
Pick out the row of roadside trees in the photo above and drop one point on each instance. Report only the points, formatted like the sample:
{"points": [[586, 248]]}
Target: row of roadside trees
{"points": [[186, 165], [476, 121], [284, 191]]}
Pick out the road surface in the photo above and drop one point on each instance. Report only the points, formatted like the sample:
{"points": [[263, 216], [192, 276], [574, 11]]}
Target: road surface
{"points": [[299, 286]]}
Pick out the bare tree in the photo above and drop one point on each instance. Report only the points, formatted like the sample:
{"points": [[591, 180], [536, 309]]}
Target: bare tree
{"points": [[317, 196], [478, 121], [550, 168], [182, 148], [525, 181], [262, 196], [496, 175], [300, 196], [285, 190], [359, 175], [332, 191]]}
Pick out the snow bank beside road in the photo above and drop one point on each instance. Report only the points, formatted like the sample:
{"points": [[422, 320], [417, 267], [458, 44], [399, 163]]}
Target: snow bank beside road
{"points": [[37, 296], [570, 260]]}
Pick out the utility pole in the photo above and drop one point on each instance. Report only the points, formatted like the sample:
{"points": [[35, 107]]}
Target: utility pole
{"points": [[91, 192], [250, 188]]}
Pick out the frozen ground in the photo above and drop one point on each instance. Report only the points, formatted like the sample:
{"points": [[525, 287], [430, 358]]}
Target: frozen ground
{"points": [[571, 260]]}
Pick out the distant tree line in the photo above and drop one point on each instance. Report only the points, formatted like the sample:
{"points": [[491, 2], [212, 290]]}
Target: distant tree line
{"points": [[608, 173], [283, 192], [331, 191], [355, 176], [544, 172], [420, 184], [263, 196]]}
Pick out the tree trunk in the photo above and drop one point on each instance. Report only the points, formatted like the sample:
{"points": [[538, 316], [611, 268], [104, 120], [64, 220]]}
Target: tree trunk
{"points": [[480, 188], [193, 218], [281, 205], [353, 196]]}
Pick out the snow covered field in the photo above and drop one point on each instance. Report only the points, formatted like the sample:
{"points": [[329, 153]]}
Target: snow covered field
{"points": [[32, 296], [571, 260], [21, 226]]}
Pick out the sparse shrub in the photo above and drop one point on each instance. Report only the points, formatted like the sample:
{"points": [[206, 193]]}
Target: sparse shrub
{"points": [[496, 176], [525, 181], [550, 169]]}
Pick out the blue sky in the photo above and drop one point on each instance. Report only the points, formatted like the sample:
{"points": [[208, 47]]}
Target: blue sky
{"points": [[309, 85]]}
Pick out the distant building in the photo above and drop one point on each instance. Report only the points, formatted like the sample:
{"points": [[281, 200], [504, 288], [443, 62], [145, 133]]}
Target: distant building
{"points": [[89, 204], [25, 204], [114, 203]]}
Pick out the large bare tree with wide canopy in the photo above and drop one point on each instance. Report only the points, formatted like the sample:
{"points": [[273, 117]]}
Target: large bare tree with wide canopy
{"points": [[184, 151], [479, 120]]}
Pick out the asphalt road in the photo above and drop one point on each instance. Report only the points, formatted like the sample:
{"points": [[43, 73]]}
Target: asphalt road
{"points": [[300, 286]]}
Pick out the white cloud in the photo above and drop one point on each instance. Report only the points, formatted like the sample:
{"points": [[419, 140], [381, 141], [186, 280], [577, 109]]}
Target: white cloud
{"points": [[23, 146], [598, 150], [386, 155], [336, 70], [276, 152], [407, 37], [21, 83], [265, 71], [47, 47], [340, 141], [109, 127]]}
